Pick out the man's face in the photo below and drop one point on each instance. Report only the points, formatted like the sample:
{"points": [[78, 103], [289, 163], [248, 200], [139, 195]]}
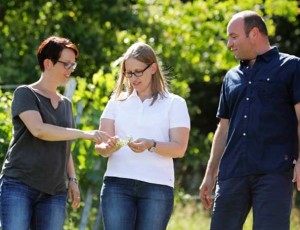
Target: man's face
{"points": [[238, 42]]}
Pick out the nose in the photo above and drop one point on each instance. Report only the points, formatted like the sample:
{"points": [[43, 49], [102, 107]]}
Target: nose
{"points": [[229, 43]]}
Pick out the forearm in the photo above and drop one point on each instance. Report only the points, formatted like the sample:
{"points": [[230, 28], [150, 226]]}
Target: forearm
{"points": [[297, 110], [169, 149], [217, 150], [70, 167], [49, 132]]}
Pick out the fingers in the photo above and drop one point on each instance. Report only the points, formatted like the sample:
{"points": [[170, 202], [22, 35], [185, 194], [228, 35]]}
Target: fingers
{"points": [[296, 176], [206, 197], [104, 136], [138, 145], [138, 148], [96, 136], [76, 202], [74, 195]]}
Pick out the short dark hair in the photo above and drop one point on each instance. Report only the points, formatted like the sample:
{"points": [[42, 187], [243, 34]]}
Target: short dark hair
{"points": [[251, 20], [52, 47]]}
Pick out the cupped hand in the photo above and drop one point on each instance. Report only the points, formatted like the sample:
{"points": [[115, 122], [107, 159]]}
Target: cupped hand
{"points": [[139, 145]]}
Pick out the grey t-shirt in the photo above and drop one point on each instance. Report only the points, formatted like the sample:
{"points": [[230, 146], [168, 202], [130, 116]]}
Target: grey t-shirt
{"points": [[40, 164]]}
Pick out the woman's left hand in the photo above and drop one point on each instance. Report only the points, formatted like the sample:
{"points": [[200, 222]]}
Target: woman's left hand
{"points": [[140, 145], [74, 194]]}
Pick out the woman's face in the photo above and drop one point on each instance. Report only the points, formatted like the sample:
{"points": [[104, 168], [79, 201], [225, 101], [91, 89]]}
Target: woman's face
{"points": [[64, 67], [139, 75]]}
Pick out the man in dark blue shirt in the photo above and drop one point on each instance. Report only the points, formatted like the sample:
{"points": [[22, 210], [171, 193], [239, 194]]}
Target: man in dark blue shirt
{"points": [[257, 139]]}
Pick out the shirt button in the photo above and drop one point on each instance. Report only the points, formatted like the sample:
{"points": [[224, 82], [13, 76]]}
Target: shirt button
{"points": [[247, 98], [245, 116], [250, 82], [268, 79], [244, 134]]}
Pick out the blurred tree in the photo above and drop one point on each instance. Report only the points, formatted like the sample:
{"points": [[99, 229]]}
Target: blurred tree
{"points": [[189, 36]]}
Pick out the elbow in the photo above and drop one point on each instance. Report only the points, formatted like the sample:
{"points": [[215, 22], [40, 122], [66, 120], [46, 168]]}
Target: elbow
{"points": [[38, 133], [181, 153]]}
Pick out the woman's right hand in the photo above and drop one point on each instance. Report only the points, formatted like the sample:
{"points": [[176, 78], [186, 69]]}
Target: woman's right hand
{"points": [[106, 148], [96, 136]]}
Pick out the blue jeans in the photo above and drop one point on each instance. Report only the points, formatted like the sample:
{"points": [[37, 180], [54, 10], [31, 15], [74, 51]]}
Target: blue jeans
{"points": [[269, 195], [135, 205], [23, 207]]}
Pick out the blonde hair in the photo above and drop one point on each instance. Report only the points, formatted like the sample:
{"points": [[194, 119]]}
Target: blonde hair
{"points": [[143, 53]]}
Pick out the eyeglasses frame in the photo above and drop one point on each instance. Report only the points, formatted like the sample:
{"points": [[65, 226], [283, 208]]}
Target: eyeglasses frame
{"points": [[68, 65], [137, 72]]}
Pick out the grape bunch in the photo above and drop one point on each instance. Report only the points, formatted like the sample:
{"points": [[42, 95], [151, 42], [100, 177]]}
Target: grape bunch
{"points": [[121, 143]]}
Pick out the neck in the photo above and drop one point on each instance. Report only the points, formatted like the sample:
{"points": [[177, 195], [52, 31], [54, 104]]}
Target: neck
{"points": [[45, 84], [144, 95]]}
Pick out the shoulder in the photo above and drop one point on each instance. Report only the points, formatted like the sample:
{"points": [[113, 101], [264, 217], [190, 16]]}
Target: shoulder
{"points": [[23, 91], [173, 98], [22, 88], [290, 62], [289, 57], [66, 99]]}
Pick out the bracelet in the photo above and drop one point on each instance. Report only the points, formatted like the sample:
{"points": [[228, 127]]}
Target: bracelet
{"points": [[73, 179]]}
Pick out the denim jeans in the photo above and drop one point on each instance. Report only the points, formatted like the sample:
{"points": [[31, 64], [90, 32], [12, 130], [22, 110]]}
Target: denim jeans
{"points": [[135, 205], [23, 207], [269, 195]]}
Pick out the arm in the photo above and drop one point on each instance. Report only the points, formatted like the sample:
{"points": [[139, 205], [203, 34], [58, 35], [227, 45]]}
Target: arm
{"points": [[175, 148], [73, 189], [106, 148], [218, 146], [297, 166], [33, 121]]}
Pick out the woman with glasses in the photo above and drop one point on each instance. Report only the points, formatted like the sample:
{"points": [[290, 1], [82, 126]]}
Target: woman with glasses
{"points": [[137, 191], [38, 161]]}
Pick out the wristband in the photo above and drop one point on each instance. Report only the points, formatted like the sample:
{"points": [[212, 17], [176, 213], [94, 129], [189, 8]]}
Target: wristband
{"points": [[73, 179]]}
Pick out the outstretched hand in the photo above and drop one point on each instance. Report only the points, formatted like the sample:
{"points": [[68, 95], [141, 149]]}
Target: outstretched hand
{"points": [[97, 136]]}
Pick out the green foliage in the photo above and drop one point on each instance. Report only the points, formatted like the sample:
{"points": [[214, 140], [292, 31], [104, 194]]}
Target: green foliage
{"points": [[5, 122], [189, 37]]}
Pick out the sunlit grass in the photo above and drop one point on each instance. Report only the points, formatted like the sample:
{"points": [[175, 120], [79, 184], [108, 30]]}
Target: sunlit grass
{"points": [[192, 216]]}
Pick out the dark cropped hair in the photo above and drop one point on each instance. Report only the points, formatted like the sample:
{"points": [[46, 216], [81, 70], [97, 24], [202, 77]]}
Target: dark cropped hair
{"points": [[52, 47], [251, 20]]}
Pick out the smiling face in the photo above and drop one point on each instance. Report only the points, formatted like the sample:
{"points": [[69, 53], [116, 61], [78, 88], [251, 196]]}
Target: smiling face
{"points": [[141, 84], [60, 74], [239, 43]]}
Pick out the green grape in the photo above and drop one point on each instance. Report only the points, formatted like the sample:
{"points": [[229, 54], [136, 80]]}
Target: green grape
{"points": [[121, 143]]}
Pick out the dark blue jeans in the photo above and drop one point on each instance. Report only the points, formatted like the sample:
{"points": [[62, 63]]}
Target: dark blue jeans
{"points": [[135, 205], [269, 195], [23, 207]]}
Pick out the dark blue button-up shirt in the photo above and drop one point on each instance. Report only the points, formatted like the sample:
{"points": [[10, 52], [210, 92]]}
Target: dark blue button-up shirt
{"points": [[259, 103]]}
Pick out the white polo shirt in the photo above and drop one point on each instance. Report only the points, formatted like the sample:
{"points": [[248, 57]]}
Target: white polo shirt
{"points": [[138, 119]]}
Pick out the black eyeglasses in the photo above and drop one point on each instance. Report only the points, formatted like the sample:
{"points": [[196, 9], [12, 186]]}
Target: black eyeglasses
{"points": [[136, 73], [68, 65]]}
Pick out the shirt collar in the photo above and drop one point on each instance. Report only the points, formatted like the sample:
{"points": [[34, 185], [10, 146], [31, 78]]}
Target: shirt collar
{"points": [[134, 94], [267, 56]]}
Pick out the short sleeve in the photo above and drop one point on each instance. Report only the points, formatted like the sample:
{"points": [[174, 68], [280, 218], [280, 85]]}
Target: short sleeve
{"points": [[23, 100], [223, 110], [109, 110], [179, 115]]}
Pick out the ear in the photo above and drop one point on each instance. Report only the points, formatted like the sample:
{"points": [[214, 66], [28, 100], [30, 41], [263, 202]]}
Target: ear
{"points": [[153, 68], [48, 64], [254, 32]]}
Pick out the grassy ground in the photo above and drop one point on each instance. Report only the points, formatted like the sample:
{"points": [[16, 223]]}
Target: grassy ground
{"points": [[192, 216]]}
